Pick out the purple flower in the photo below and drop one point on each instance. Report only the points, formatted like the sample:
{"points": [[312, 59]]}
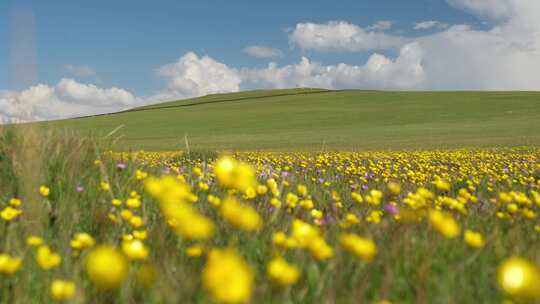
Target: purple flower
{"points": [[392, 209], [365, 187], [321, 180], [120, 166], [79, 188], [166, 170], [354, 186]]}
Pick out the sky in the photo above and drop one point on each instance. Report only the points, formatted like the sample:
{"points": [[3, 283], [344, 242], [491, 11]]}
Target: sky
{"points": [[64, 58]]}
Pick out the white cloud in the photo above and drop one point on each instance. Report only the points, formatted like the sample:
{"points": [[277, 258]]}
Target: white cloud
{"points": [[80, 70], [424, 25], [67, 99], [341, 36], [72, 91], [193, 76], [504, 57], [379, 72], [380, 26], [262, 51]]}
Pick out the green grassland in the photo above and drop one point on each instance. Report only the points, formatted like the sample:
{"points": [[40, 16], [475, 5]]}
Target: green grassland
{"points": [[313, 119]]}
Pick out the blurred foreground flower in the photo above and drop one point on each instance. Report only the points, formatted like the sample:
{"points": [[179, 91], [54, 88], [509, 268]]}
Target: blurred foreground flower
{"points": [[46, 258], [444, 223], [519, 278], [227, 276], [359, 246], [62, 290], [240, 215], [9, 264], [106, 267], [282, 272]]}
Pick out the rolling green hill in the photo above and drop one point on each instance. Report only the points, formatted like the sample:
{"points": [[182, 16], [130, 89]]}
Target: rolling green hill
{"points": [[312, 119]]}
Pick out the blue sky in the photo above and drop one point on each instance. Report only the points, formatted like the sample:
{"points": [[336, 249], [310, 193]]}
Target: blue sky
{"points": [[72, 58], [124, 41]]}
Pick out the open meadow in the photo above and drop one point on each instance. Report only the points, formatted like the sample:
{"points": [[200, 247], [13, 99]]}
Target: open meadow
{"points": [[245, 198]]}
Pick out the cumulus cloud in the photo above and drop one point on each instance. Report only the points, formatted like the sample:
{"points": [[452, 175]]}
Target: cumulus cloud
{"points": [[67, 99], [262, 51], [193, 76], [379, 72], [424, 25], [80, 70], [341, 36], [503, 57]]}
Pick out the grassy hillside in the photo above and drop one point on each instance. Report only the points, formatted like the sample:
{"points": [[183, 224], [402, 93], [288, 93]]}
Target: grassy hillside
{"points": [[316, 119]]}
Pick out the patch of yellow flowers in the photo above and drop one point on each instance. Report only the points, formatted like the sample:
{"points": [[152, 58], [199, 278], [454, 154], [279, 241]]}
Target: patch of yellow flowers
{"points": [[327, 205]]}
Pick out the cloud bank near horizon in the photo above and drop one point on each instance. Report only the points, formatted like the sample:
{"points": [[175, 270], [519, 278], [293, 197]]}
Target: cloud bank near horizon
{"points": [[455, 57]]}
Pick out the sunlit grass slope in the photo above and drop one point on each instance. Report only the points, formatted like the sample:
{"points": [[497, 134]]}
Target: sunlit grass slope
{"points": [[312, 119]]}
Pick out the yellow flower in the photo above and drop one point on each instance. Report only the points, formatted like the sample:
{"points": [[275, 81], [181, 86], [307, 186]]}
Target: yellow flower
{"points": [[306, 204], [9, 213], [279, 238], [291, 200], [303, 233], [261, 189], [188, 222], [374, 197], [44, 191], [276, 203], [227, 276], [316, 214], [302, 190], [136, 221], [214, 200], [442, 185], [374, 216], [106, 267], [135, 249], [34, 241], [116, 202], [363, 248], [320, 250], [357, 197], [140, 234], [394, 188], [46, 258], [126, 214], [350, 220], [519, 278], [282, 272], [234, 174], [105, 186], [240, 215], [444, 223], [133, 203], [62, 290], [9, 264], [194, 251], [82, 240], [474, 239], [140, 175], [15, 202], [250, 193]]}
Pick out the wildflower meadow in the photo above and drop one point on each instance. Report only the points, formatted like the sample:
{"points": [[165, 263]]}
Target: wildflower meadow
{"points": [[83, 224]]}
